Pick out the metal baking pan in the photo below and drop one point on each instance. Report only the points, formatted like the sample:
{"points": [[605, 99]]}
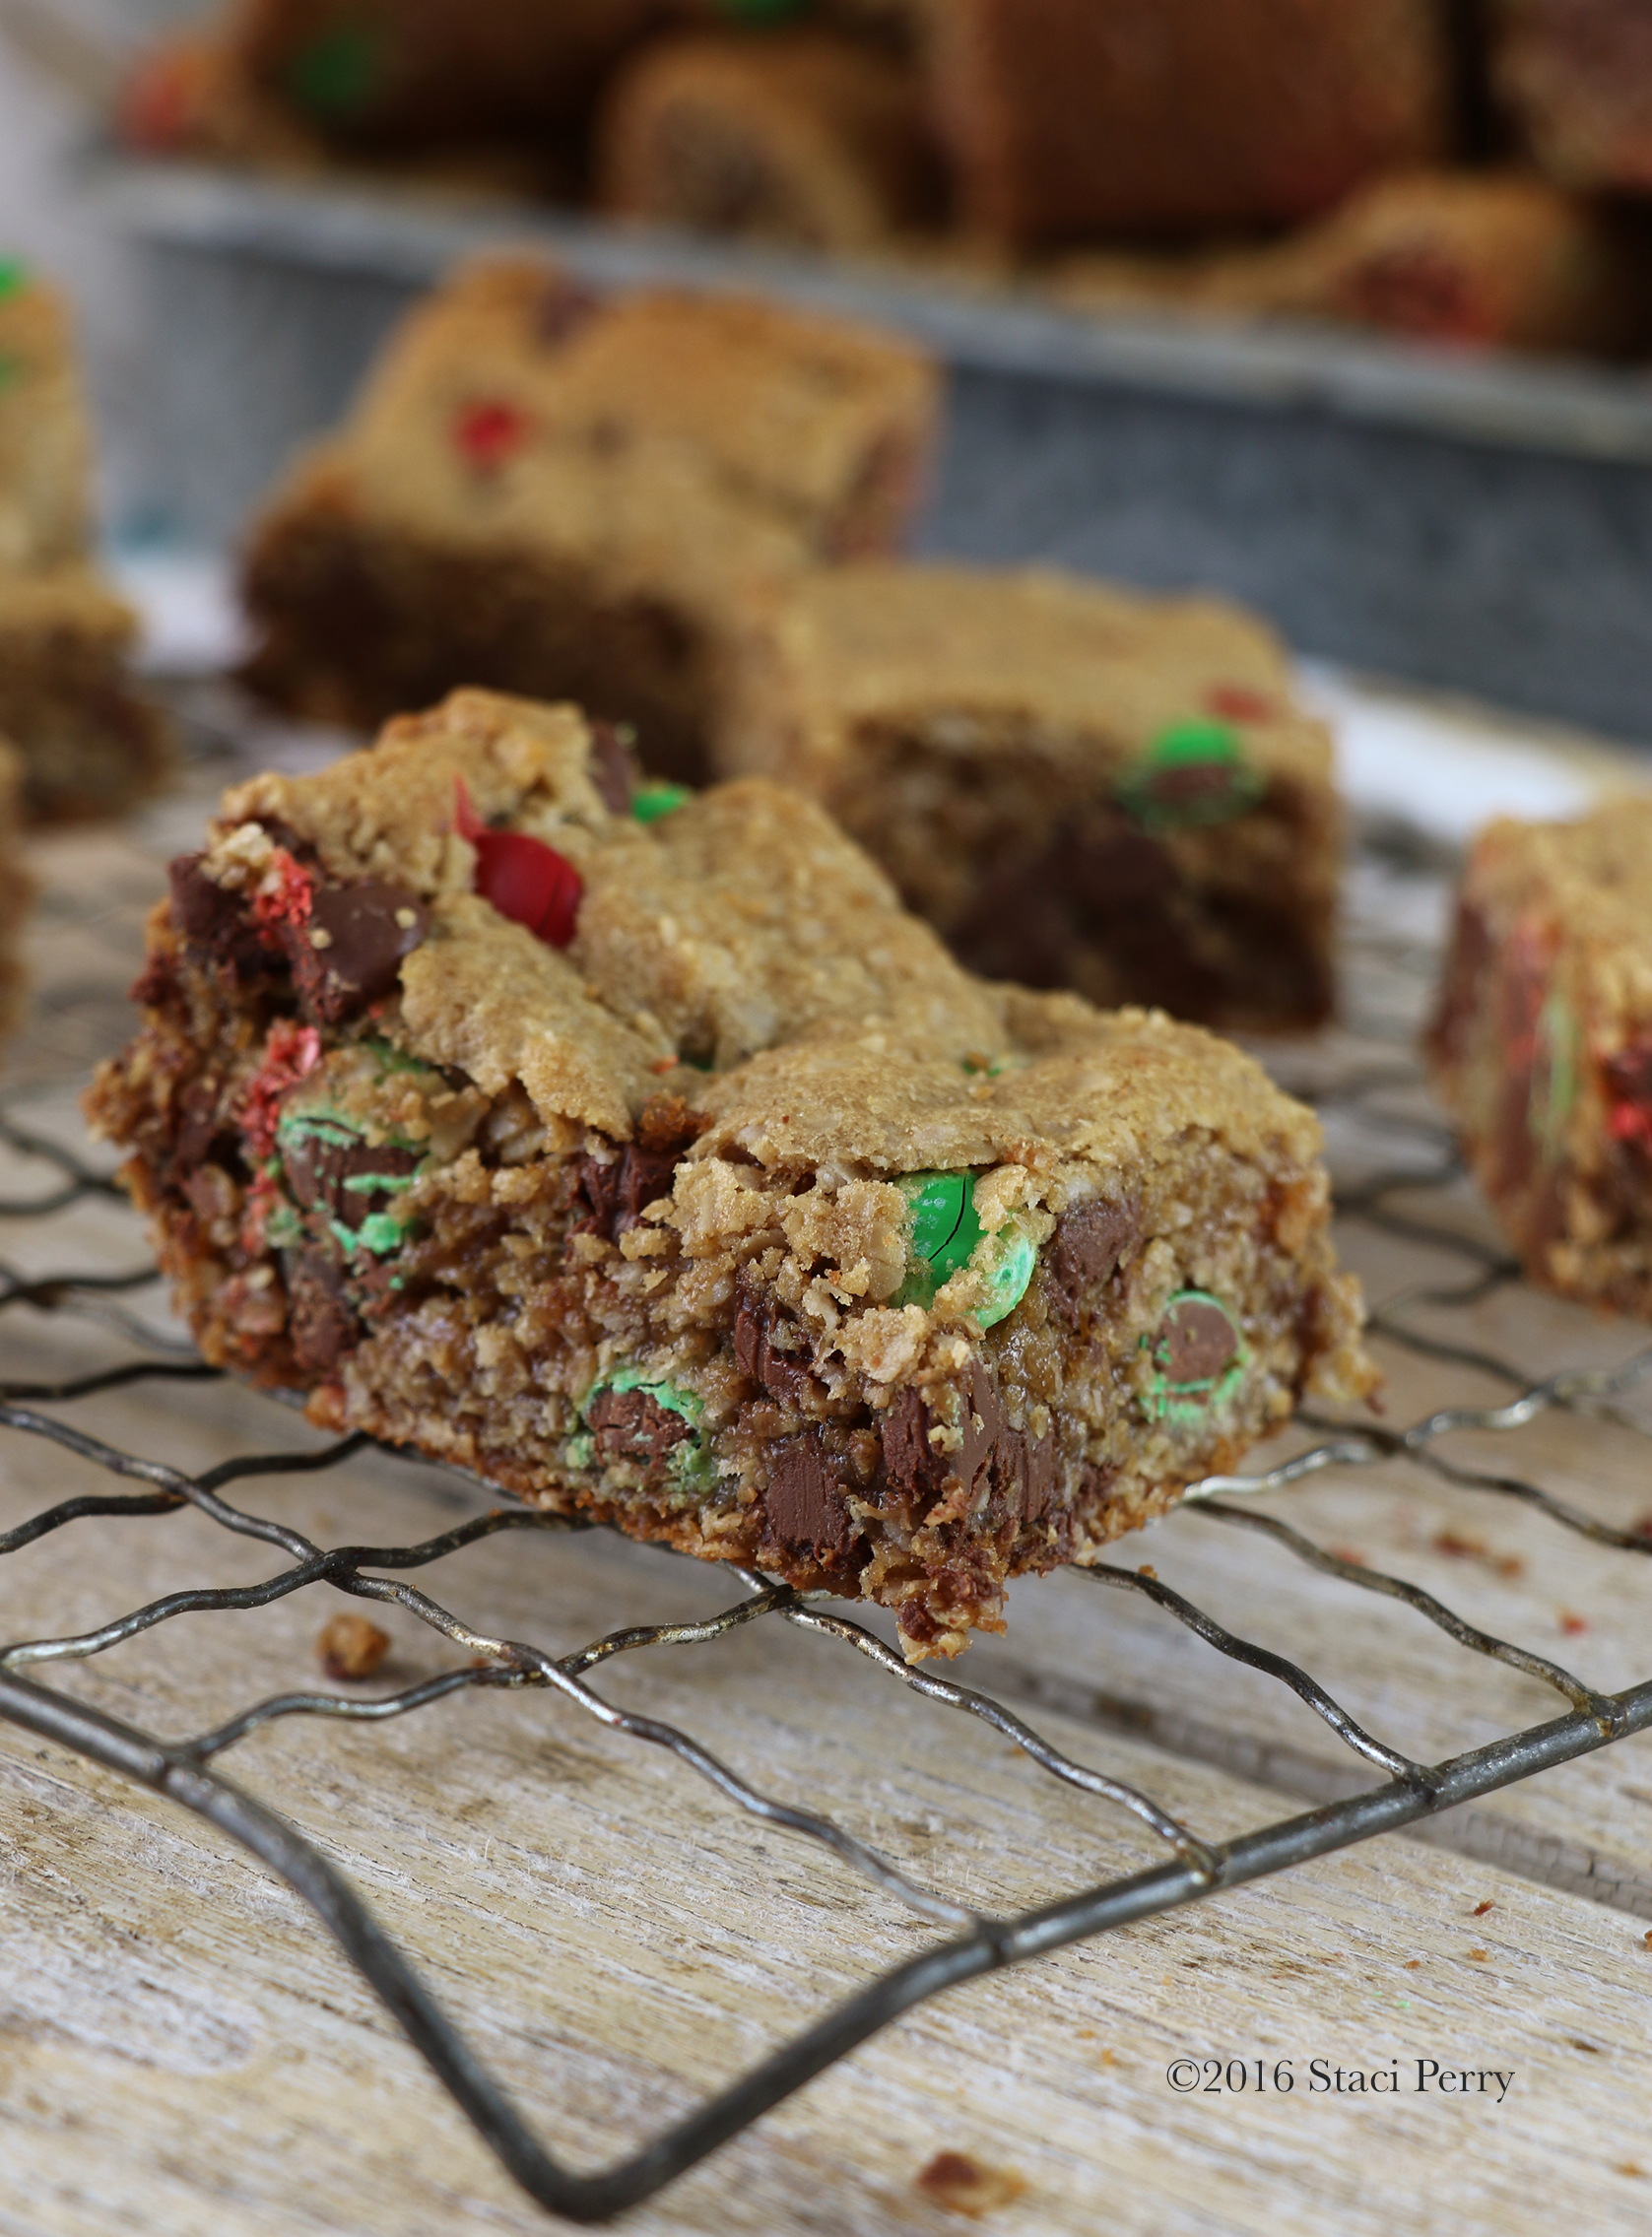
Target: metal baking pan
{"points": [[1477, 523]]}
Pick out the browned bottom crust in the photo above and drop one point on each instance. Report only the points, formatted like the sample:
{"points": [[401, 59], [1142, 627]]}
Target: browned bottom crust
{"points": [[359, 622]]}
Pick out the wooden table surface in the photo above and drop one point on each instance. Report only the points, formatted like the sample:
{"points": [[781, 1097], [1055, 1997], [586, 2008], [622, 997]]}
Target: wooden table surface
{"points": [[182, 2049]]}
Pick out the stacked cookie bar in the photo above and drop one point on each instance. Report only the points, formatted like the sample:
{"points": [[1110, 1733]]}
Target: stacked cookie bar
{"points": [[561, 497], [639, 1151], [1077, 786], [89, 744]]}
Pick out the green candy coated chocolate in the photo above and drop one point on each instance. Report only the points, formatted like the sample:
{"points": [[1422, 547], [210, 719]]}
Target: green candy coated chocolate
{"points": [[1554, 1075], [651, 803], [1185, 1402], [691, 1461], [14, 277], [1193, 775], [338, 75], [947, 1236]]}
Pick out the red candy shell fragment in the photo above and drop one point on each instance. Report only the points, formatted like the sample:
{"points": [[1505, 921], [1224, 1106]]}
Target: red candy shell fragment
{"points": [[487, 433]]}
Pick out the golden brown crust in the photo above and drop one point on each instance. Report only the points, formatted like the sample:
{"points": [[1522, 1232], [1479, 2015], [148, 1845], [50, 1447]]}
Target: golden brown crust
{"points": [[46, 443]]}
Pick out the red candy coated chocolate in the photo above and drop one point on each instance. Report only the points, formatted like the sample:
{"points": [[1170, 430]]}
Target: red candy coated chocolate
{"points": [[487, 433], [524, 879]]}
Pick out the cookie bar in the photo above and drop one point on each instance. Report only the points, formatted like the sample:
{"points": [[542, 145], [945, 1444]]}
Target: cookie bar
{"points": [[45, 448], [1076, 786], [1486, 258], [1541, 1047], [416, 72], [1068, 119], [17, 891], [1575, 78], [636, 1150], [798, 137], [563, 498], [92, 745]]}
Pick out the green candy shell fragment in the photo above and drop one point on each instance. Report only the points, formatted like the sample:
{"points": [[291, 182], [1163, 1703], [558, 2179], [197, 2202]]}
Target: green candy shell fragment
{"points": [[1198, 1355], [947, 1236], [339, 75], [651, 803], [1193, 775], [1554, 1075], [14, 277]]}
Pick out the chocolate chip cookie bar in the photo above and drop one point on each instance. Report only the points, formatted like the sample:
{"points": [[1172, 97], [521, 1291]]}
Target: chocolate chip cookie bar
{"points": [[89, 744], [636, 1150], [1073, 118], [1541, 1047], [17, 891], [561, 498], [798, 137], [1078, 787], [1575, 79]]}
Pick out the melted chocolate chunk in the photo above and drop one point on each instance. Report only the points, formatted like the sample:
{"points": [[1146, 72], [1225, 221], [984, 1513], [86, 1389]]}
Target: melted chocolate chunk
{"points": [[807, 1510], [366, 933], [613, 770], [912, 1463], [210, 920], [782, 1369], [318, 1172], [1196, 1343], [629, 1424], [1090, 1241], [616, 1195], [320, 1319]]}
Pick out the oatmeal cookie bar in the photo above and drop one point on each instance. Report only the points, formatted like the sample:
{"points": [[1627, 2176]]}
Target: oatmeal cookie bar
{"points": [[1541, 1047], [45, 445], [1078, 787], [1489, 258], [17, 891], [91, 744], [1067, 118], [561, 498], [1575, 78], [797, 136], [402, 73], [638, 1151]]}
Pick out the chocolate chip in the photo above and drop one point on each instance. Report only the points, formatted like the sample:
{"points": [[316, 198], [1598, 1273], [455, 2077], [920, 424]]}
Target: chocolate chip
{"points": [[1025, 1470], [915, 1465], [210, 920], [562, 310], [353, 947], [807, 1511], [318, 1171], [629, 1424], [1196, 1343], [780, 1369], [320, 1319], [1090, 1241], [614, 1197], [613, 768]]}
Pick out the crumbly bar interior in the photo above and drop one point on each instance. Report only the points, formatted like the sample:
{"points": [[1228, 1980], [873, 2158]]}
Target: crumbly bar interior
{"points": [[1541, 1047], [721, 1205]]}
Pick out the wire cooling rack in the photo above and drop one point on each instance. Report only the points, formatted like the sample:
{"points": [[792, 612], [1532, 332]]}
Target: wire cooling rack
{"points": [[1399, 1174]]}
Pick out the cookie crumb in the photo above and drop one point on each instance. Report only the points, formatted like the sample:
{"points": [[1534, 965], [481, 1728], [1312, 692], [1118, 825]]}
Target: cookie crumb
{"points": [[350, 1648], [1481, 1957], [961, 2185], [1480, 1910], [1572, 1625]]}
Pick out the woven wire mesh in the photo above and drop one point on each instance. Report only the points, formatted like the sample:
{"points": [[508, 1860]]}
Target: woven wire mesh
{"points": [[1398, 1173]]}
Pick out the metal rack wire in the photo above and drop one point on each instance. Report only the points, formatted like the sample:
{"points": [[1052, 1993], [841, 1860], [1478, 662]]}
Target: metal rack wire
{"points": [[1367, 1084]]}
